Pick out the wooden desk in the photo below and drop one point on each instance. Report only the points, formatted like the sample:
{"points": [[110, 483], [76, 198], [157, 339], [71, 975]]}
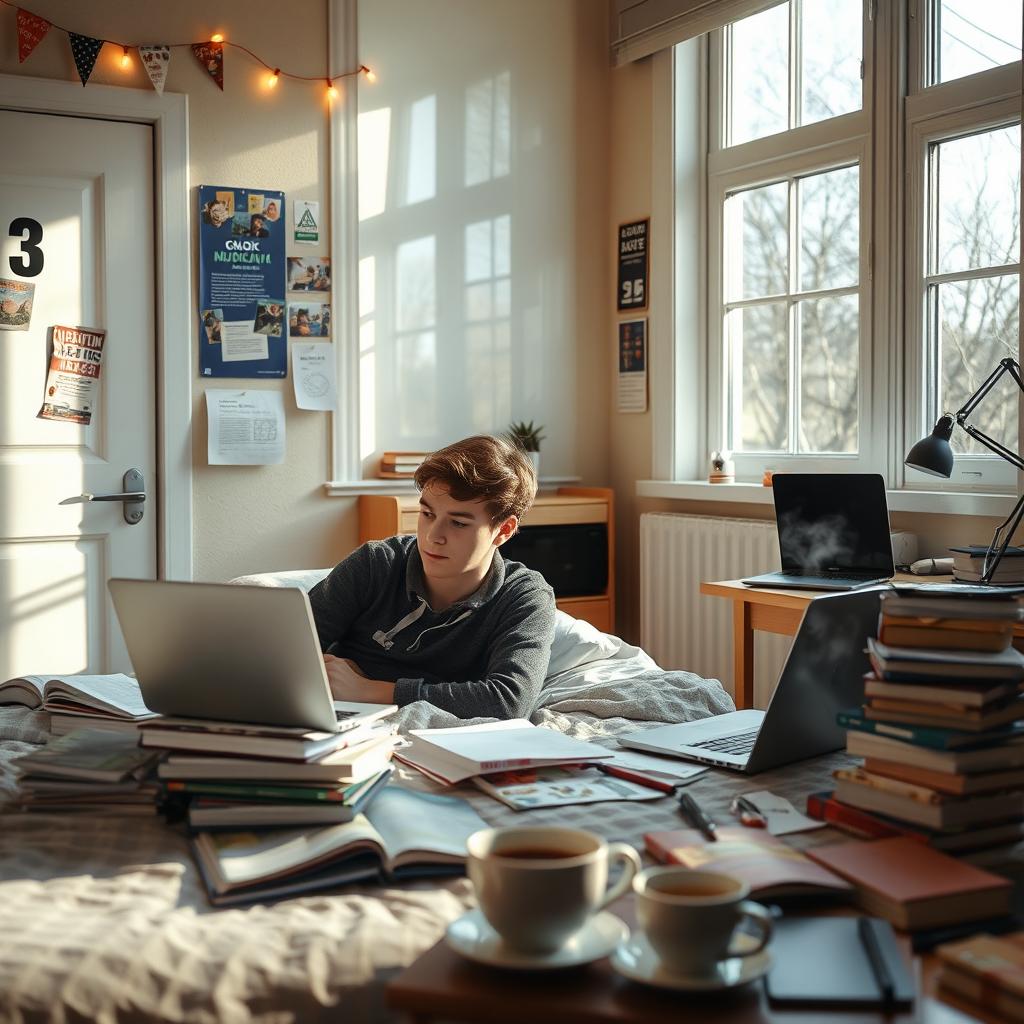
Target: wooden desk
{"points": [[770, 610], [441, 985]]}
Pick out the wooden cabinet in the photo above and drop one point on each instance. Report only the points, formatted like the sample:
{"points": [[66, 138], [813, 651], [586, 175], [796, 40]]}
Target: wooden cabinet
{"points": [[383, 515]]}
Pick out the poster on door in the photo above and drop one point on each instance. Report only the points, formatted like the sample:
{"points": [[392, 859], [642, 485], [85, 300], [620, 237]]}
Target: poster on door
{"points": [[74, 375], [241, 276]]}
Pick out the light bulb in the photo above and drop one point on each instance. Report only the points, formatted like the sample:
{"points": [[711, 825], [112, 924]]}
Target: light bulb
{"points": [[273, 78], [126, 61], [217, 38], [370, 75], [332, 91]]}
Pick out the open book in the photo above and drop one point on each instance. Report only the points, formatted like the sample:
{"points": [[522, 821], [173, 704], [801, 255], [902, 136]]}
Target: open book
{"points": [[113, 696], [401, 833]]}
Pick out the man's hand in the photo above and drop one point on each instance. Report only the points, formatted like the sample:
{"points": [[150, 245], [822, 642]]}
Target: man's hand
{"points": [[349, 683]]}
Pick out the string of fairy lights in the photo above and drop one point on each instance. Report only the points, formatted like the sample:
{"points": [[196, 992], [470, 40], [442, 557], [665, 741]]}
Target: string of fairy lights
{"points": [[155, 58]]}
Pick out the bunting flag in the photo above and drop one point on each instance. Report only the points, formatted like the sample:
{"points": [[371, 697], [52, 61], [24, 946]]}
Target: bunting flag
{"points": [[31, 29], [156, 59], [85, 50], [211, 56]]}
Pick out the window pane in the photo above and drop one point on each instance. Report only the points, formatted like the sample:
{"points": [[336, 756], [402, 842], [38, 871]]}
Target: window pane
{"points": [[978, 202], [760, 347], [977, 328], [832, 51], [756, 242], [829, 358], [759, 76], [975, 36], [829, 229]]}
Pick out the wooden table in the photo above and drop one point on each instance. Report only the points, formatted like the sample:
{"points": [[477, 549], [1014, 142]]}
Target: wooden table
{"points": [[773, 611], [441, 985]]}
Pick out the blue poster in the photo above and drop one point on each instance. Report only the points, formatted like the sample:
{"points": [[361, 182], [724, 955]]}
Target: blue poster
{"points": [[241, 283]]}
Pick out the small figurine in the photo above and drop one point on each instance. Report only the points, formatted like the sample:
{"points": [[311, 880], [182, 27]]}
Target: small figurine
{"points": [[722, 469]]}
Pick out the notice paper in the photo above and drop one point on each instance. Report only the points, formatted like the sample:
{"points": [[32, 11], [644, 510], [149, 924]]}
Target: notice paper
{"points": [[246, 428], [632, 389], [313, 374], [74, 374], [239, 342]]}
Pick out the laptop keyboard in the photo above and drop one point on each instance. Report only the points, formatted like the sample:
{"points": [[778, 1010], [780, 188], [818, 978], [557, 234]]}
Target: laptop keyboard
{"points": [[737, 743]]}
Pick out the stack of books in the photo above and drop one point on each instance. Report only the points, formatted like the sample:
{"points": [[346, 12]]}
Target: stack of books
{"points": [[400, 464], [81, 702], [234, 775], [941, 730], [969, 565], [93, 770], [986, 971]]}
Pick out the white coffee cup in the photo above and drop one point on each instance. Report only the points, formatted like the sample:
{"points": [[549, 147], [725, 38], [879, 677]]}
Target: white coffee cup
{"points": [[537, 886], [690, 917]]}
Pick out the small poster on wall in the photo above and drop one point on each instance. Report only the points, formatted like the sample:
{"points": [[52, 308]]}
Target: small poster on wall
{"points": [[633, 366], [241, 282], [634, 239], [15, 304], [74, 375]]}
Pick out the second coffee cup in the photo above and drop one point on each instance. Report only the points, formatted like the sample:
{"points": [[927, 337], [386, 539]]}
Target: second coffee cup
{"points": [[537, 886]]}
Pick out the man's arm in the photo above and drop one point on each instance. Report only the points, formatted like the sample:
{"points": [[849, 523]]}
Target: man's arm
{"points": [[338, 599], [516, 666]]}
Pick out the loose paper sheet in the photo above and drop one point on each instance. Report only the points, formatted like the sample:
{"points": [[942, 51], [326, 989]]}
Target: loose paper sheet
{"points": [[313, 374], [246, 428], [780, 815], [239, 342]]}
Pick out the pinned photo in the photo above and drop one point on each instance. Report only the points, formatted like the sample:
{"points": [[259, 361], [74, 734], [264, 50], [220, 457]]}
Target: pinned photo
{"points": [[309, 273], [213, 320], [272, 210], [15, 304], [227, 197], [309, 320], [269, 317], [250, 225], [216, 212], [256, 202]]}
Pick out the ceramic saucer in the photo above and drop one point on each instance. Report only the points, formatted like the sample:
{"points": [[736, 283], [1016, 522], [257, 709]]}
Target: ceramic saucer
{"points": [[637, 961], [474, 938]]}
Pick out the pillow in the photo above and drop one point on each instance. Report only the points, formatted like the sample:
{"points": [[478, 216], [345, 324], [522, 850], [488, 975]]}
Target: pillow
{"points": [[305, 579], [576, 642]]}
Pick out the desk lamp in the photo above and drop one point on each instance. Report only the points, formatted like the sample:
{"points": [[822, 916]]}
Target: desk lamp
{"points": [[934, 456]]}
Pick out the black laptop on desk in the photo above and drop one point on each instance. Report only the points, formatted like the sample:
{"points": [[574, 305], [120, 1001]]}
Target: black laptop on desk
{"points": [[833, 532]]}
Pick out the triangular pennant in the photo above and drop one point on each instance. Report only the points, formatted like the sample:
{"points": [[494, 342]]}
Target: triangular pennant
{"points": [[155, 59], [31, 29], [211, 56], [85, 50]]}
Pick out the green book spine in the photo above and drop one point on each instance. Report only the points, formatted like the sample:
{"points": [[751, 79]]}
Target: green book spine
{"points": [[919, 735], [243, 791]]}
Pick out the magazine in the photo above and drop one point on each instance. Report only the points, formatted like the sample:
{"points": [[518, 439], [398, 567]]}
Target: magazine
{"points": [[558, 786]]}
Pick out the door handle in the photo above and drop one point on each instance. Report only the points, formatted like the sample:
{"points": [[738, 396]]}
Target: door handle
{"points": [[132, 496]]}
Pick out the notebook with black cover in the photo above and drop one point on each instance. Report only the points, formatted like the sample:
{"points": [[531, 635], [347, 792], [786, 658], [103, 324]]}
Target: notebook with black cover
{"points": [[833, 532]]}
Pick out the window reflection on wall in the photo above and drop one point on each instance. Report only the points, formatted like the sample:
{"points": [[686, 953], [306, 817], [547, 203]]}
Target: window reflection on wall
{"points": [[488, 129]]}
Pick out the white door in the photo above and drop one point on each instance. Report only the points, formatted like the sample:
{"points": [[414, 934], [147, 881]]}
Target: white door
{"points": [[76, 220]]}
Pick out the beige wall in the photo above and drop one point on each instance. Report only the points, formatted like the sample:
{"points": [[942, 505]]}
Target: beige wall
{"points": [[250, 519]]}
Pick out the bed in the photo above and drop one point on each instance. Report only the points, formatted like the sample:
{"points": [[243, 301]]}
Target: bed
{"points": [[105, 918]]}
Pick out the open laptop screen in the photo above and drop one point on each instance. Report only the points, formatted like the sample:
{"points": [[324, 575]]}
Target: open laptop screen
{"points": [[833, 521]]}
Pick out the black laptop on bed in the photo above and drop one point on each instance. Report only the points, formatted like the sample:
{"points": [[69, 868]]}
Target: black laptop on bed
{"points": [[833, 532]]}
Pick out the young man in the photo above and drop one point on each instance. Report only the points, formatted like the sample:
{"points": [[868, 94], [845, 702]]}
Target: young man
{"points": [[441, 616]]}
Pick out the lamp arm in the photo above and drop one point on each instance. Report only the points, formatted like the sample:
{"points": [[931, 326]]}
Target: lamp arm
{"points": [[1007, 365]]}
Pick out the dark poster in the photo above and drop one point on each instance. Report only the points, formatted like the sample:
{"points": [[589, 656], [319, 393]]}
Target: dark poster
{"points": [[633, 264]]}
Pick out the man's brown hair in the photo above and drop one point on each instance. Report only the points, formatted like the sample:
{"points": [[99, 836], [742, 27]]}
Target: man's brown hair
{"points": [[484, 468]]}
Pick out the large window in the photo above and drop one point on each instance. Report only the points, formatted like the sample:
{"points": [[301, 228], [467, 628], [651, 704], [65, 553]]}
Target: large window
{"points": [[813, 362]]}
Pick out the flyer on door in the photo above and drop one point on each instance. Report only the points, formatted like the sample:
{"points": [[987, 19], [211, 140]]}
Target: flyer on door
{"points": [[74, 375], [15, 304], [241, 282]]}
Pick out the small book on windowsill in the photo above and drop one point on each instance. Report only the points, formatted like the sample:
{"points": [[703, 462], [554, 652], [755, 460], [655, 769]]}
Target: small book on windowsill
{"points": [[110, 696]]}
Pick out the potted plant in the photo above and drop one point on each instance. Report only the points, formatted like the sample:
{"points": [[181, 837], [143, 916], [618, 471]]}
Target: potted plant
{"points": [[528, 437]]}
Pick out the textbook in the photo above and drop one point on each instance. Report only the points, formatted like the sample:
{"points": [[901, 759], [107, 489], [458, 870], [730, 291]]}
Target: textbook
{"points": [[112, 696], [92, 755], [978, 720], [980, 757], [913, 886], [905, 664], [452, 755], [402, 834], [772, 869], [988, 970], [968, 695], [925, 735]]}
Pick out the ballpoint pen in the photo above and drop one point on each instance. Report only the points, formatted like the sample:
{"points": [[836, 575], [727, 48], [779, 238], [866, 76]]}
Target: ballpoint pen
{"points": [[636, 777], [748, 813], [697, 818]]}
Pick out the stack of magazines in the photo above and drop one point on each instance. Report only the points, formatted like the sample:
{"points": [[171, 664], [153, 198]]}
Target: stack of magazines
{"points": [[93, 770], [235, 775], [940, 732]]}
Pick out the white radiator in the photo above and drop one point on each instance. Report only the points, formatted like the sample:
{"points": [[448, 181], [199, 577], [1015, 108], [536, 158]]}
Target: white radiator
{"points": [[681, 628]]}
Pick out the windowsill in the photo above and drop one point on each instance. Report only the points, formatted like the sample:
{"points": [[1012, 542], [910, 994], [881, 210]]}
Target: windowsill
{"points": [[353, 488], [941, 502]]}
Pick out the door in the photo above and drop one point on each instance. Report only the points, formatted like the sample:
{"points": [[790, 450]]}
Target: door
{"points": [[76, 221]]}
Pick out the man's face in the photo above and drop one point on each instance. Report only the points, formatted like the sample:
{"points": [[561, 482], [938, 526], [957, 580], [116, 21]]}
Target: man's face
{"points": [[456, 538], [218, 214]]}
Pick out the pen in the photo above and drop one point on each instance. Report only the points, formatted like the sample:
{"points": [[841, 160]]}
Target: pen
{"points": [[748, 813], [640, 780], [869, 940], [697, 818]]}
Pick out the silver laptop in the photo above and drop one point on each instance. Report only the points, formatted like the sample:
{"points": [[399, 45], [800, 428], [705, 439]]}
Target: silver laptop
{"points": [[824, 674], [833, 532], [239, 654]]}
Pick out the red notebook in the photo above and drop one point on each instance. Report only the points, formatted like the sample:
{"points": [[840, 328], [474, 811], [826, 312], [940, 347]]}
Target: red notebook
{"points": [[772, 869], [914, 886]]}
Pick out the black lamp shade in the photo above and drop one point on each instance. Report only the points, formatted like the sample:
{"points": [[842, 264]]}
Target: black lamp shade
{"points": [[932, 454]]}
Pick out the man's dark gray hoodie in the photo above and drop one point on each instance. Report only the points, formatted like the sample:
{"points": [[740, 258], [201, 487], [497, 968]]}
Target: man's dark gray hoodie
{"points": [[484, 656]]}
